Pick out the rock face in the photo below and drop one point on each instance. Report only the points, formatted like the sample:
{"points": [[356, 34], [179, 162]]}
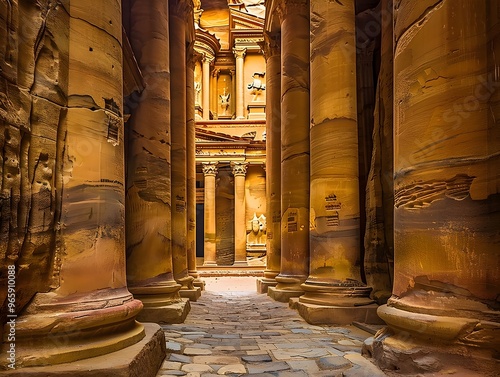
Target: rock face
{"points": [[446, 196], [379, 239], [63, 184]]}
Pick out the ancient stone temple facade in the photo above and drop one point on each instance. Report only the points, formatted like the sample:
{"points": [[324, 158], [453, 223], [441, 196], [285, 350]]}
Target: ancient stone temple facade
{"points": [[230, 81], [354, 144]]}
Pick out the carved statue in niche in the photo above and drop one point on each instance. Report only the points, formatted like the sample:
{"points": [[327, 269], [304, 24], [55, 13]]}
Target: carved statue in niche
{"points": [[256, 86], [256, 238], [197, 90], [224, 102]]}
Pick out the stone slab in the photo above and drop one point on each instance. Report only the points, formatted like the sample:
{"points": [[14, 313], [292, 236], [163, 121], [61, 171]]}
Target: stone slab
{"points": [[142, 359], [338, 315], [191, 294], [282, 295], [173, 313], [267, 367]]}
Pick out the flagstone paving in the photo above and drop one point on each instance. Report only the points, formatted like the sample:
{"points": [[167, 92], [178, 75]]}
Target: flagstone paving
{"points": [[249, 334]]}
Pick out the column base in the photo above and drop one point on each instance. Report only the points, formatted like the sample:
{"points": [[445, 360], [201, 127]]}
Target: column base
{"points": [[283, 295], [162, 303], [336, 315], [141, 359], [191, 294], [175, 312], [199, 283], [56, 330], [209, 264], [410, 355], [194, 274], [325, 294], [263, 284]]}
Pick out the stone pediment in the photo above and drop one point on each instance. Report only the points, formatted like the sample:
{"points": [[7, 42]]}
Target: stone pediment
{"points": [[243, 20], [246, 30]]}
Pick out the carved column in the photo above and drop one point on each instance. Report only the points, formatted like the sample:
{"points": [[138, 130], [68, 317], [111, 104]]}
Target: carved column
{"points": [[294, 17], [240, 239], [191, 167], [210, 172], [239, 54], [148, 205], [334, 280], [178, 14], [272, 53], [446, 188], [62, 234], [205, 88]]}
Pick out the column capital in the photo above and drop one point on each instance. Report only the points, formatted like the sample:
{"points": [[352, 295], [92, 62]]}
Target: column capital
{"points": [[216, 72], [239, 52], [209, 168], [288, 7], [239, 168], [207, 58], [271, 45]]}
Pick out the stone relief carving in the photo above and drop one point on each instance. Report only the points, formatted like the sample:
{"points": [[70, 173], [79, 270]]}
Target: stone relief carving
{"points": [[258, 230], [224, 102], [197, 90], [257, 86]]}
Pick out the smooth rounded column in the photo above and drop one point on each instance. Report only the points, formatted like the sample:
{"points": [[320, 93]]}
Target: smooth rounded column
{"points": [[63, 243], [240, 239], [148, 200], [334, 278], [272, 53], [209, 172], [447, 186], [205, 87], [239, 54], [294, 17], [178, 13], [214, 98], [191, 168]]}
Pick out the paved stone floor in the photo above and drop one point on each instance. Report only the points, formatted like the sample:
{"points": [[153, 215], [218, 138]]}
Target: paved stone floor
{"points": [[242, 333]]}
